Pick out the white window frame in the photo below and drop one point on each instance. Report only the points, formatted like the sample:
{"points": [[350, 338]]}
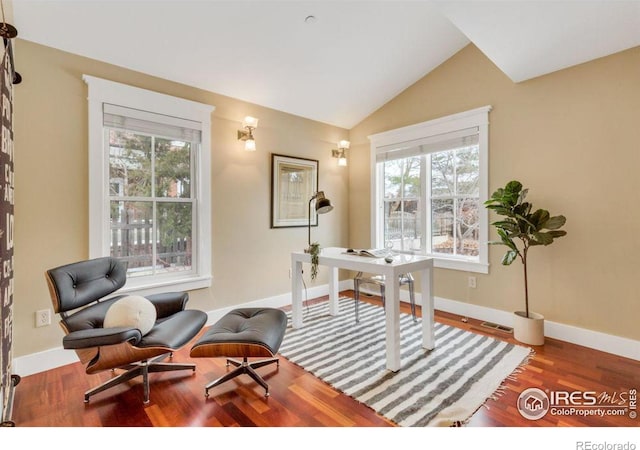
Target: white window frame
{"points": [[426, 132], [104, 91]]}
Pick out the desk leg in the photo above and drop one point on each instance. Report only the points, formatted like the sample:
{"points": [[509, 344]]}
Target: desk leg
{"points": [[428, 333], [334, 307], [296, 294], [392, 316]]}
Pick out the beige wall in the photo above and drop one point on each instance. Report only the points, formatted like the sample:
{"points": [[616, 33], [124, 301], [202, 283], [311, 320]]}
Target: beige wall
{"points": [[250, 260], [573, 138]]}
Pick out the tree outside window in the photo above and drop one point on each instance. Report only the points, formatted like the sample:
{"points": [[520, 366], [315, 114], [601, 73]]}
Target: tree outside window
{"points": [[452, 177], [455, 201], [151, 202], [402, 194]]}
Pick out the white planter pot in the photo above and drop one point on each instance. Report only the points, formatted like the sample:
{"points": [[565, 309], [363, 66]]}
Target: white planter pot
{"points": [[528, 330]]}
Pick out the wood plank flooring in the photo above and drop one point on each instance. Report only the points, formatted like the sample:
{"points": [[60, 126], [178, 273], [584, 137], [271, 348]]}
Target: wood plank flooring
{"points": [[55, 398]]}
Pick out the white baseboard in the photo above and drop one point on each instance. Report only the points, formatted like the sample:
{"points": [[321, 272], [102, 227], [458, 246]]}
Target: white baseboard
{"points": [[617, 345], [58, 356], [45, 360], [628, 348]]}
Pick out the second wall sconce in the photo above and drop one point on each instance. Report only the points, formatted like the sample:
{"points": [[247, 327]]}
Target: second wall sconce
{"points": [[249, 124], [341, 152]]}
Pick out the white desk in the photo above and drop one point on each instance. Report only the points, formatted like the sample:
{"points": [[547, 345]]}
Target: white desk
{"points": [[336, 258]]}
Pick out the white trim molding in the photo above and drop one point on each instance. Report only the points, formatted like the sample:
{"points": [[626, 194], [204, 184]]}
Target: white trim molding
{"points": [[402, 142], [625, 347], [101, 92]]}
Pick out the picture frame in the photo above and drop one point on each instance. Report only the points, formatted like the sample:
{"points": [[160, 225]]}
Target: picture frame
{"points": [[293, 182]]}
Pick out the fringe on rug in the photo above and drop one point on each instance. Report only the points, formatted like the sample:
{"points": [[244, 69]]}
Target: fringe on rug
{"points": [[502, 389]]}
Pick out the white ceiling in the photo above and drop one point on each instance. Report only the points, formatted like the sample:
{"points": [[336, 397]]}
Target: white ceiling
{"points": [[355, 57]]}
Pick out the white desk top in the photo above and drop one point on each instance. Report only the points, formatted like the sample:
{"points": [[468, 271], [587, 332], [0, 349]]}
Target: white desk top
{"points": [[338, 257]]}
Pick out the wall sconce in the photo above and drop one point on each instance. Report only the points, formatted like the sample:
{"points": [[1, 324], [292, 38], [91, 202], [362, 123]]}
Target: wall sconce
{"points": [[249, 124], [341, 152]]}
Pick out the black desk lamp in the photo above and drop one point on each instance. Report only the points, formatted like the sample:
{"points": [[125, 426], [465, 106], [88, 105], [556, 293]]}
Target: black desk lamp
{"points": [[323, 205]]}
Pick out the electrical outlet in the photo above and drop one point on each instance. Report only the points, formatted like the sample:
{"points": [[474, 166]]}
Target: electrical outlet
{"points": [[472, 282], [43, 318]]}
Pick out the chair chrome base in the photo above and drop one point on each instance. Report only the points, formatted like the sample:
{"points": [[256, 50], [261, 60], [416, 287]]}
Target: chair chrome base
{"points": [[244, 367], [142, 368]]}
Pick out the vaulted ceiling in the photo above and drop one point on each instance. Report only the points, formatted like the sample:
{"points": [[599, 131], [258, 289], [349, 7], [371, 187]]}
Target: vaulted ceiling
{"points": [[332, 61]]}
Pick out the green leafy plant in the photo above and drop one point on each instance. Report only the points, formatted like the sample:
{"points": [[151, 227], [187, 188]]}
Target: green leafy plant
{"points": [[522, 226], [314, 251]]}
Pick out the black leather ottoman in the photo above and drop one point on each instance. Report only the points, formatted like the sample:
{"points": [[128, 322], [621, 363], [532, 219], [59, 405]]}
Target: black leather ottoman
{"points": [[243, 333]]}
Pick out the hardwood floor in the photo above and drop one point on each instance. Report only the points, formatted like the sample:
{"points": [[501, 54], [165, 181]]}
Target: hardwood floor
{"points": [[55, 398]]}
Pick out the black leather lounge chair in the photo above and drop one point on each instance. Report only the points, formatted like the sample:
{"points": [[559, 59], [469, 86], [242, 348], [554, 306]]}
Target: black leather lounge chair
{"points": [[77, 292]]}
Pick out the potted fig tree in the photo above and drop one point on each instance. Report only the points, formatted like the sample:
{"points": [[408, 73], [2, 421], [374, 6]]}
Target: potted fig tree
{"points": [[522, 228]]}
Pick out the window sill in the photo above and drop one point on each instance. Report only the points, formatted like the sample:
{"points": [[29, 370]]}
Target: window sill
{"points": [[146, 287], [457, 264]]}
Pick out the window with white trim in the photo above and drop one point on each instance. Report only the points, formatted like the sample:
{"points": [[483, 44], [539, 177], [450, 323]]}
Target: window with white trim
{"points": [[430, 181], [149, 185]]}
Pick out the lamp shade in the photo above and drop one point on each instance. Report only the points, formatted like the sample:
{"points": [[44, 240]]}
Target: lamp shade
{"points": [[250, 145], [250, 122], [323, 205]]}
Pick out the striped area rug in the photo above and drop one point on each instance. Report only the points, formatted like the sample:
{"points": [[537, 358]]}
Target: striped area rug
{"points": [[441, 387]]}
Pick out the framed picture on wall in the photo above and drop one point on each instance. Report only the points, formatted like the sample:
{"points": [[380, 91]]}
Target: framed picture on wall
{"points": [[293, 183]]}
